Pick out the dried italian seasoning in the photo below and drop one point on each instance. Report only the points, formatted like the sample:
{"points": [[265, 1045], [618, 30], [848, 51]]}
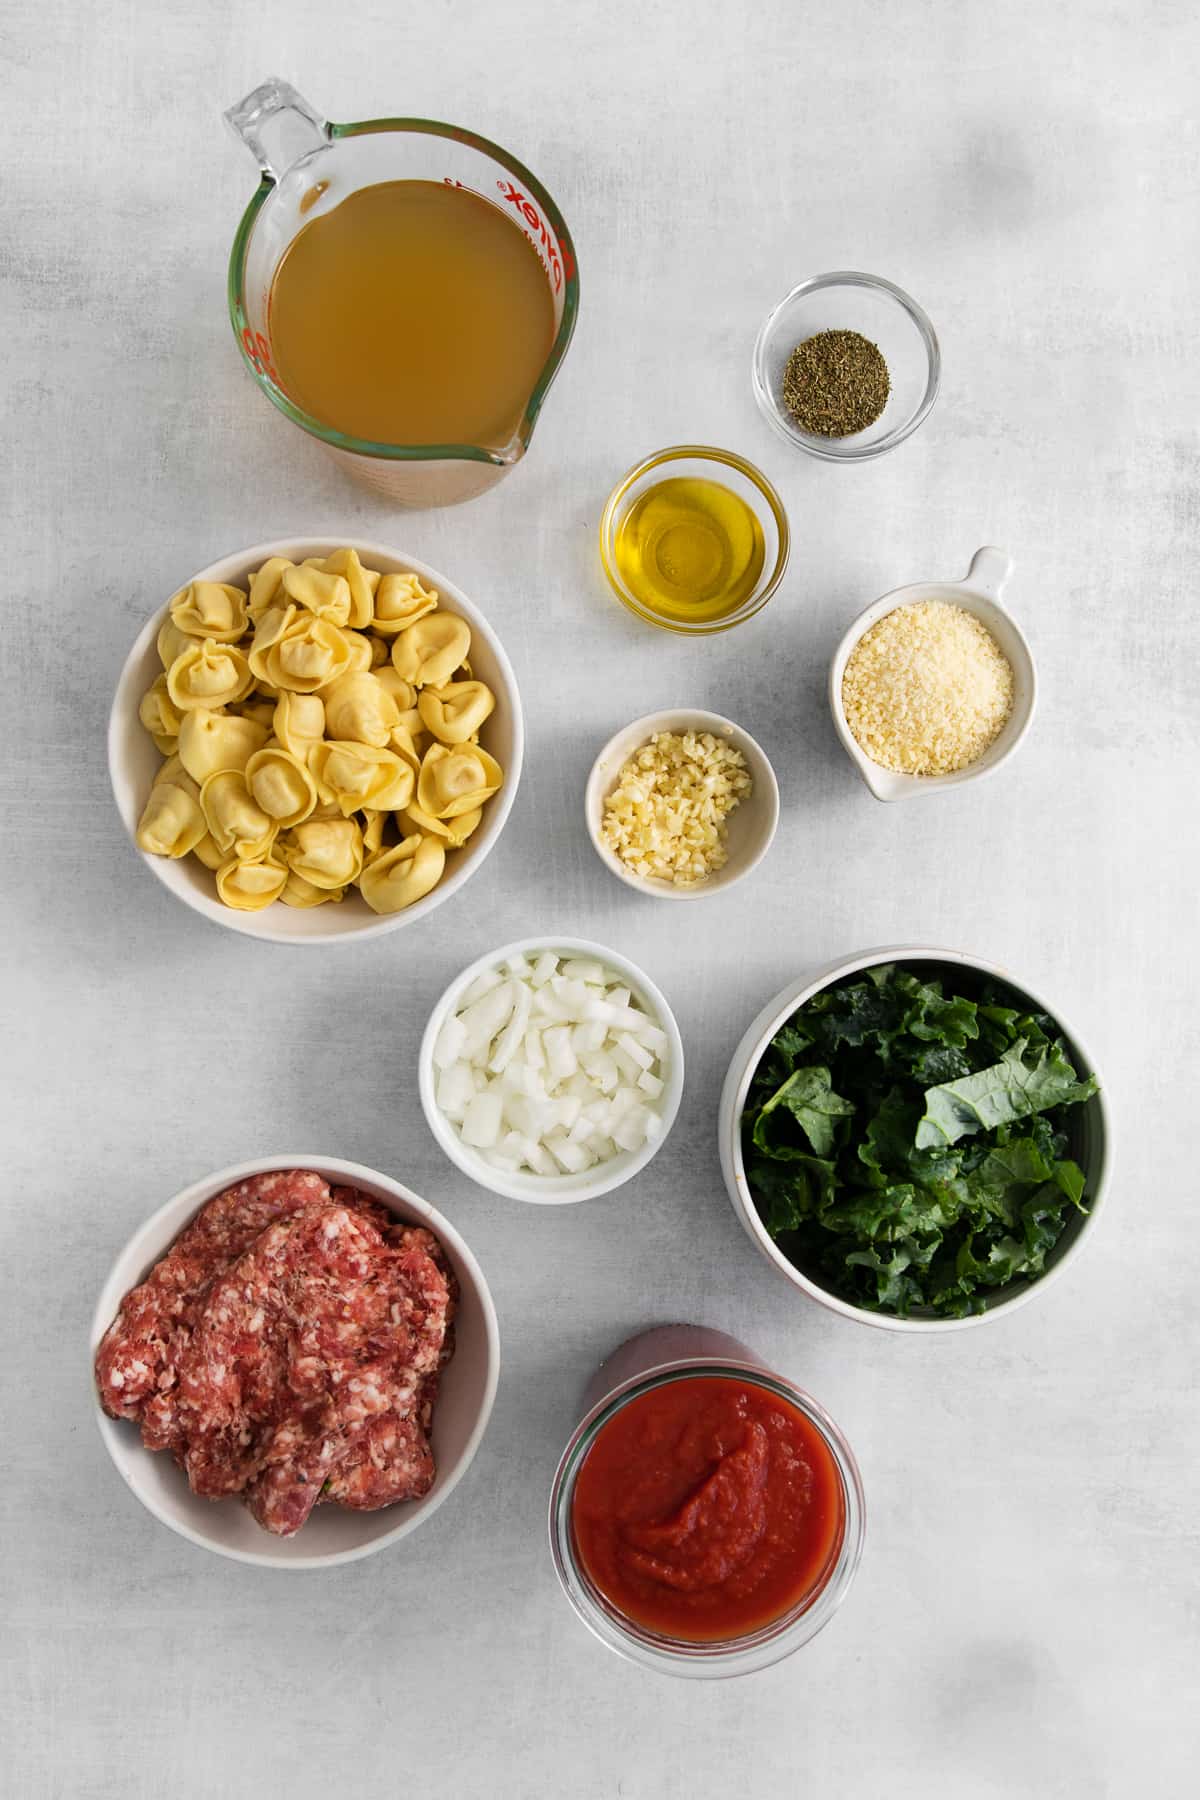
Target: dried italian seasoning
{"points": [[836, 383]]}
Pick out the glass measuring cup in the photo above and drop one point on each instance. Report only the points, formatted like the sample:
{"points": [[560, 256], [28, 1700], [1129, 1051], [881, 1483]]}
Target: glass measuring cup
{"points": [[308, 166]]}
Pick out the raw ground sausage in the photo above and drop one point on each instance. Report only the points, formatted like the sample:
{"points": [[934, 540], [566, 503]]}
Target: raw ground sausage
{"points": [[287, 1348], [139, 1353]]}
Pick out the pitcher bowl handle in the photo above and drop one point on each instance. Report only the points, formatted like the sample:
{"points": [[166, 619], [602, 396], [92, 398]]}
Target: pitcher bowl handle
{"points": [[278, 127]]}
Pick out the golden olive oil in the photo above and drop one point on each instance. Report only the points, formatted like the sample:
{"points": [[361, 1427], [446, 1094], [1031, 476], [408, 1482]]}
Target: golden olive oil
{"points": [[412, 313], [690, 549]]}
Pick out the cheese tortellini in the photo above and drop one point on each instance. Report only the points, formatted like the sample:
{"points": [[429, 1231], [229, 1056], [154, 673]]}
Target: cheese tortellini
{"points": [[402, 692], [171, 642], [427, 653], [320, 726], [453, 713], [400, 600], [358, 775], [363, 585], [236, 822], [210, 609], [455, 831], [299, 722], [281, 785], [456, 781], [265, 586], [327, 853], [359, 706], [296, 891], [362, 651], [395, 878], [308, 654], [260, 708], [326, 596], [210, 741], [173, 821], [249, 886], [160, 716], [208, 674]]}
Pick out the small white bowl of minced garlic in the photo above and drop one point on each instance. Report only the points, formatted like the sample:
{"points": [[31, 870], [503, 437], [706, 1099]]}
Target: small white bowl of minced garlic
{"points": [[681, 804], [934, 684]]}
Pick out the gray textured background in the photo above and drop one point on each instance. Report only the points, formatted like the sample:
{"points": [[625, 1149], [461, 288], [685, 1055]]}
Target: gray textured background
{"points": [[1024, 1622]]}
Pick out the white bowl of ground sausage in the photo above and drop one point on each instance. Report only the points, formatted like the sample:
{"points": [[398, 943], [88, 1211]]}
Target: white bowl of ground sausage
{"points": [[979, 594], [332, 1534], [601, 1178]]}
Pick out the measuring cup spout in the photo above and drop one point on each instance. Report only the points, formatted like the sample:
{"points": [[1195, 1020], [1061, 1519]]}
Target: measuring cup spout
{"points": [[278, 127]]}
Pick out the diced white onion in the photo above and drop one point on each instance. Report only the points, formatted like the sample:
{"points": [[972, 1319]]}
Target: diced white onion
{"points": [[484, 1018], [450, 1041], [455, 1090], [551, 1067], [481, 1122], [602, 1069], [560, 1058], [574, 995], [622, 1100], [566, 1110], [506, 1044], [547, 1005], [482, 984], [589, 1034], [571, 1158], [513, 1077], [541, 1161], [580, 969], [631, 1132], [630, 1069]]}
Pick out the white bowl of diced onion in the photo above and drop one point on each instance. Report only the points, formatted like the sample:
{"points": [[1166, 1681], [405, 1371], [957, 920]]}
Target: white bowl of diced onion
{"points": [[551, 1070]]}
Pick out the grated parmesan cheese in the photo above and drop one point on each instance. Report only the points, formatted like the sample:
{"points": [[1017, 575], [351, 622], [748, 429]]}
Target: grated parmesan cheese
{"points": [[927, 689], [666, 816]]}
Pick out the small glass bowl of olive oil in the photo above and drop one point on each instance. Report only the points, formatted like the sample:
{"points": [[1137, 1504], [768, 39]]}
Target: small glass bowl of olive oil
{"points": [[694, 539]]}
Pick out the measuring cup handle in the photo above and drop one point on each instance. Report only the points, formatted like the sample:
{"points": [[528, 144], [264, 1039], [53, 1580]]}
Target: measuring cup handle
{"points": [[277, 126]]}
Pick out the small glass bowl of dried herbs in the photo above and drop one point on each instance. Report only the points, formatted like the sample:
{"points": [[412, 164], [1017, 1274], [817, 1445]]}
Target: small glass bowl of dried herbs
{"points": [[846, 366]]}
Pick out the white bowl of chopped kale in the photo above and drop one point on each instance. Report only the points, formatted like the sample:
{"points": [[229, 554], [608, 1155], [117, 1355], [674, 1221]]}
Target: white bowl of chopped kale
{"points": [[914, 1139]]}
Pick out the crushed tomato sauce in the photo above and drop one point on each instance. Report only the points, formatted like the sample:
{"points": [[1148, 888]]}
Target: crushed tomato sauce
{"points": [[708, 1507]]}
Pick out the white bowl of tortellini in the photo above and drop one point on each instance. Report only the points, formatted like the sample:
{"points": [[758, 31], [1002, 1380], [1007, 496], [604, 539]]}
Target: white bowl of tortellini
{"points": [[312, 741]]}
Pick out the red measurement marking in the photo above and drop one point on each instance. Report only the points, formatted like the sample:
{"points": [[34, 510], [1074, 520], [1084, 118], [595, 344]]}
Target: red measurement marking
{"points": [[259, 352], [557, 260]]}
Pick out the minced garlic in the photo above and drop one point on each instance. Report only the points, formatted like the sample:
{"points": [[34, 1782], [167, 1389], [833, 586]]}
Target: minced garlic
{"points": [[666, 816], [927, 689]]}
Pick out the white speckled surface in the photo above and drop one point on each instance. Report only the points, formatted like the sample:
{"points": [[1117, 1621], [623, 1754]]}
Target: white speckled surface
{"points": [[1025, 1618]]}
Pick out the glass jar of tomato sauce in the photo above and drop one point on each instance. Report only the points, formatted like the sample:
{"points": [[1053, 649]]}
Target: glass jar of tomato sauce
{"points": [[707, 1516]]}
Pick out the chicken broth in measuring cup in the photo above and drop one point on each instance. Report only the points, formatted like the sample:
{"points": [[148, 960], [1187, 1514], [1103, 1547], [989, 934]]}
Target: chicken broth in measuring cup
{"points": [[414, 312]]}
